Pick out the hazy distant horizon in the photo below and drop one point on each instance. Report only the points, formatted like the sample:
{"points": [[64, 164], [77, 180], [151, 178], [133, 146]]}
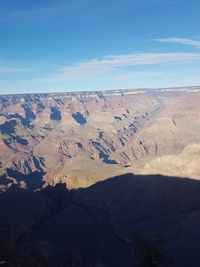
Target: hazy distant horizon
{"points": [[106, 90]]}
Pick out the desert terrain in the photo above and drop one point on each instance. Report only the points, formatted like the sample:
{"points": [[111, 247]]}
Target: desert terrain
{"points": [[83, 174], [84, 137]]}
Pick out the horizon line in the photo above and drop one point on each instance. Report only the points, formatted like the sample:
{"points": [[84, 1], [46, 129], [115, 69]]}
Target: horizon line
{"points": [[103, 91]]}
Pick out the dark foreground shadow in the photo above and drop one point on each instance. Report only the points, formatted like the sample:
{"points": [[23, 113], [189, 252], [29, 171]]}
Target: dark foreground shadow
{"points": [[33, 180], [96, 226]]}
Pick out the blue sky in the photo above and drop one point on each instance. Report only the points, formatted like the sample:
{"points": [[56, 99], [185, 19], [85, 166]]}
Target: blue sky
{"points": [[67, 45]]}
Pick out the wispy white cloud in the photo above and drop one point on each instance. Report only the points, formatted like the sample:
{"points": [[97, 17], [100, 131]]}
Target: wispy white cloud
{"points": [[182, 41], [70, 9], [114, 71], [14, 70], [173, 2], [8, 66], [40, 12], [112, 64], [108, 66], [75, 8]]}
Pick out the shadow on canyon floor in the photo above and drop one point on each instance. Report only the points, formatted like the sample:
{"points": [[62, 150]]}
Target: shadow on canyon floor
{"points": [[33, 180], [95, 226]]}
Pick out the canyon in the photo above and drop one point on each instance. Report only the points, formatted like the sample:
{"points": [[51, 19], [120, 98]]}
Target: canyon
{"points": [[85, 174], [81, 138]]}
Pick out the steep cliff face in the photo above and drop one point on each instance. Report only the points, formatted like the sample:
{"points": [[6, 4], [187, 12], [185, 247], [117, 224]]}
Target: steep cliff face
{"points": [[81, 138]]}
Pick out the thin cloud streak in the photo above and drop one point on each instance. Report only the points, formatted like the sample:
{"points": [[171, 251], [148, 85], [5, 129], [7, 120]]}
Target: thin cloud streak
{"points": [[182, 41], [172, 2], [110, 64], [36, 13], [68, 8], [114, 75], [14, 70], [113, 71]]}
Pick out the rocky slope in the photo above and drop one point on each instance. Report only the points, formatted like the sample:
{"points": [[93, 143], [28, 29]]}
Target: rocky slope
{"points": [[81, 138]]}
